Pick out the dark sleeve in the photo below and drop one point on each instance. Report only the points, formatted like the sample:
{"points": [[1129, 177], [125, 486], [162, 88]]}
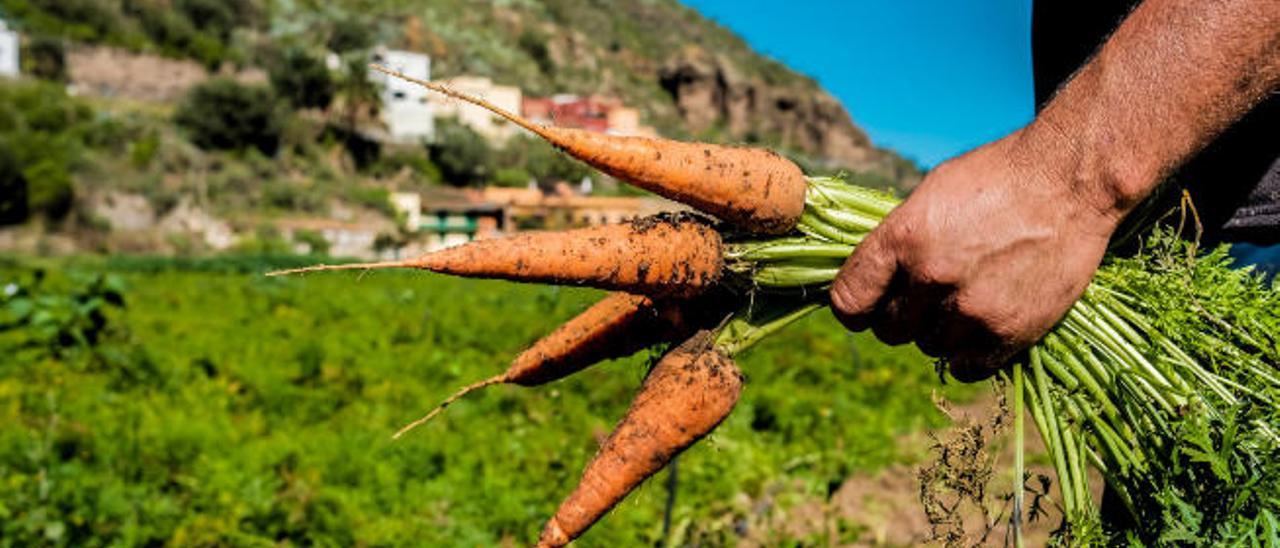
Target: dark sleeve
{"points": [[1234, 182]]}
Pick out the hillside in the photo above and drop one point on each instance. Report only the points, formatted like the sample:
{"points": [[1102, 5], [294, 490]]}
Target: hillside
{"points": [[692, 79], [280, 136]]}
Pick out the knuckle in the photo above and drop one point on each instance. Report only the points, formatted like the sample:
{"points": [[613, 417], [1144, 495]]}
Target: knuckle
{"points": [[844, 299], [935, 272]]}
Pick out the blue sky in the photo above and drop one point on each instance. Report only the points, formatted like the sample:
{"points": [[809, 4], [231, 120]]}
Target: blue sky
{"points": [[928, 78]]}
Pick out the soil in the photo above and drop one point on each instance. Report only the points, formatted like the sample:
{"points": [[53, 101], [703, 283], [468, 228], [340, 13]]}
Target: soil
{"points": [[885, 509]]}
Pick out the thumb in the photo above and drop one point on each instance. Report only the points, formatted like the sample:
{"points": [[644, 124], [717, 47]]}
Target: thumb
{"points": [[862, 282]]}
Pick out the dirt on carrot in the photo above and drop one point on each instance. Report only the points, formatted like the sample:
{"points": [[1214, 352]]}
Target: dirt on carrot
{"points": [[665, 256]]}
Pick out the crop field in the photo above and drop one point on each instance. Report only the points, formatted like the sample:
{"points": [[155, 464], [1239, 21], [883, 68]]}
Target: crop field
{"points": [[199, 403]]}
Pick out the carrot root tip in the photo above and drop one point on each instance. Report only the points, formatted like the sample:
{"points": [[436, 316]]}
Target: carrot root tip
{"points": [[447, 402], [412, 263]]}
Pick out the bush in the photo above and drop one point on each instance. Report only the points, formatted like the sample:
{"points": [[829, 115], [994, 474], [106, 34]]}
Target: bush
{"points": [[464, 157], [266, 240], [316, 242], [49, 189], [287, 196], [415, 161], [45, 57], [302, 79], [375, 198], [142, 151], [224, 114]]}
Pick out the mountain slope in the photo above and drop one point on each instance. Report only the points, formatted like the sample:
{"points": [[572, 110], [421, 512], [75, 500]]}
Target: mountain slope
{"points": [[693, 77], [689, 76]]}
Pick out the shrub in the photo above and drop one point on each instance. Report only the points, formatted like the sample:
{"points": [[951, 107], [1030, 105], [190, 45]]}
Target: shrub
{"points": [[266, 240], [288, 196], [302, 79], [224, 114], [415, 161], [375, 198], [142, 151], [316, 242]]}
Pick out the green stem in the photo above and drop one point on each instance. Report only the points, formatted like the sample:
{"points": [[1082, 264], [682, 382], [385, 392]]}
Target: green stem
{"points": [[1054, 440], [830, 189], [746, 329], [814, 226], [1019, 444], [846, 220], [790, 248], [794, 275]]}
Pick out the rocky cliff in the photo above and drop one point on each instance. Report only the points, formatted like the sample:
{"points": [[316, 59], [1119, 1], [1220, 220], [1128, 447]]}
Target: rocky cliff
{"points": [[710, 91]]}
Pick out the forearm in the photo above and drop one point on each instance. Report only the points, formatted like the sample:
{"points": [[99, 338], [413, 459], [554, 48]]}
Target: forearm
{"points": [[1172, 77]]}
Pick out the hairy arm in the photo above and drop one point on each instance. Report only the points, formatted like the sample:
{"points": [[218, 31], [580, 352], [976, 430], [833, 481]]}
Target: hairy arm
{"points": [[1172, 77], [996, 245]]}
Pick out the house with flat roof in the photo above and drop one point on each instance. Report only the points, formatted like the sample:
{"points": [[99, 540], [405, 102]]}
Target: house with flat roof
{"points": [[407, 108], [492, 127]]}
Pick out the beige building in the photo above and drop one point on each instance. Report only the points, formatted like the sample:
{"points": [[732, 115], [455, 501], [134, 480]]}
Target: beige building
{"points": [[491, 126]]}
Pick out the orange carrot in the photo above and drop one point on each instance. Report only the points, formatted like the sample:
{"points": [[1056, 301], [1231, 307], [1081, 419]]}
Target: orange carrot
{"points": [[670, 255], [619, 325], [684, 398], [753, 188]]}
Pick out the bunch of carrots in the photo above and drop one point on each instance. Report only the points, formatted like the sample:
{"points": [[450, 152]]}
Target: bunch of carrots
{"points": [[711, 287]]}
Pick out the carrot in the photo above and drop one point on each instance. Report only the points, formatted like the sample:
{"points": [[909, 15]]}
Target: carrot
{"points": [[618, 325], [665, 255], [753, 188], [685, 397]]}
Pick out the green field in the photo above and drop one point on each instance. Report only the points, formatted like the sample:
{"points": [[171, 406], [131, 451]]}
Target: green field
{"points": [[216, 406]]}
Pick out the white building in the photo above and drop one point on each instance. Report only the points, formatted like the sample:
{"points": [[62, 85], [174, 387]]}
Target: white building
{"points": [[8, 52], [407, 109], [489, 125]]}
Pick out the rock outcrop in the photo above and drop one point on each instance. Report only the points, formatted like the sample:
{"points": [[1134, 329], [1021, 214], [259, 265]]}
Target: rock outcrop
{"points": [[710, 92]]}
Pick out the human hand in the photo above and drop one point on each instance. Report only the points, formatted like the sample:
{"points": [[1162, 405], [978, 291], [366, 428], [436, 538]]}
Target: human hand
{"points": [[987, 254]]}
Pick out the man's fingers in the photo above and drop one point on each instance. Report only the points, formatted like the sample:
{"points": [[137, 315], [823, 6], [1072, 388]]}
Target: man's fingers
{"points": [[862, 282]]}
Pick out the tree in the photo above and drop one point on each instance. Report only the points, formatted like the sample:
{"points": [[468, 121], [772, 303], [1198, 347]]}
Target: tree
{"points": [[13, 188], [357, 97], [543, 162], [463, 156], [349, 34], [224, 114], [302, 79]]}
